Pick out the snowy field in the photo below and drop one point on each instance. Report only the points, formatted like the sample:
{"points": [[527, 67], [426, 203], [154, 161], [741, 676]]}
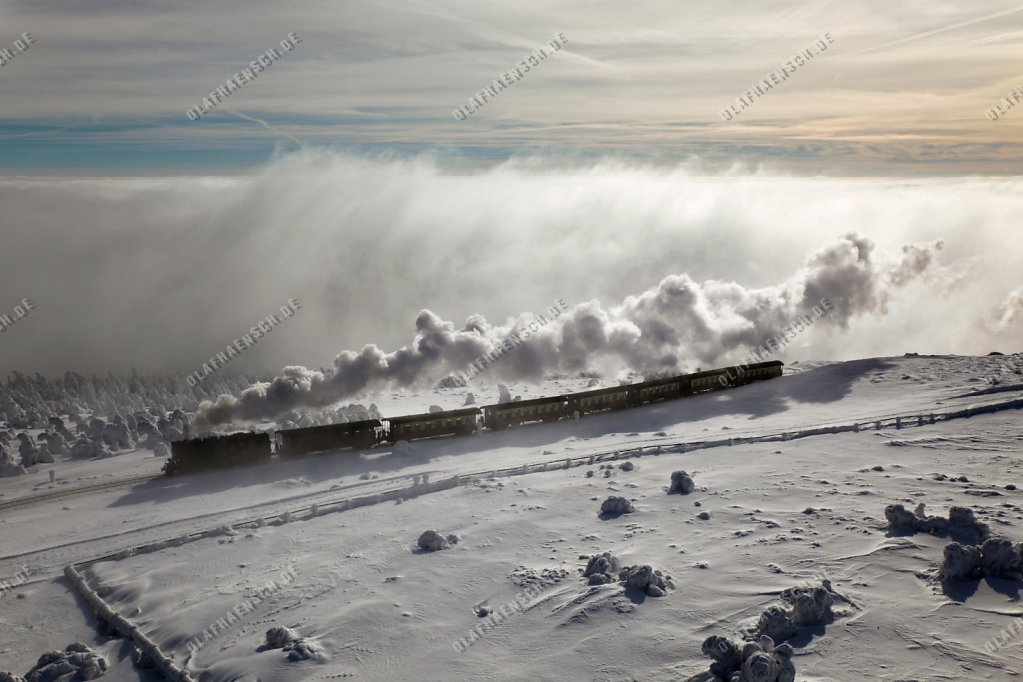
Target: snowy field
{"points": [[273, 550]]}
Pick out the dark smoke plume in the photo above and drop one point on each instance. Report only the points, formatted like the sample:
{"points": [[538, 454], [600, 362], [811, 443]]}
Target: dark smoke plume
{"points": [[677, 325]]}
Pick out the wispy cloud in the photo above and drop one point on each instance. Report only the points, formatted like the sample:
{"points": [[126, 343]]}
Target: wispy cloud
{"points": [[644, 81]]}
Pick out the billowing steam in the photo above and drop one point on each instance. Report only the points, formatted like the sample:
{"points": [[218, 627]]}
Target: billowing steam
{"points": [[1010, 312], [678, 324]]}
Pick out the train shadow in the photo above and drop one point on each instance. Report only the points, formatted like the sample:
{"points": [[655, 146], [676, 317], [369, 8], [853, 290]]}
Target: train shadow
{"points": [[753, 401]]}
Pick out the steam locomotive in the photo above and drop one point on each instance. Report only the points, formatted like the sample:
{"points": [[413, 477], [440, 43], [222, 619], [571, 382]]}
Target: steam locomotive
{"points": [[243, 449]]}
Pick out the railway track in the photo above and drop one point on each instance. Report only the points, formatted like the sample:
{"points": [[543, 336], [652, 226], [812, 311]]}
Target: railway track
{"points": [[58, 494], [271, 513]]}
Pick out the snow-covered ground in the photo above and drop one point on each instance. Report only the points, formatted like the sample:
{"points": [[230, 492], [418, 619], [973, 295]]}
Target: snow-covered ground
{"points": [[780, 514]]}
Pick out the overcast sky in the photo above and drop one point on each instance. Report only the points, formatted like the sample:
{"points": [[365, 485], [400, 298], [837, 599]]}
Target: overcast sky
{"points": [[901, 90]]}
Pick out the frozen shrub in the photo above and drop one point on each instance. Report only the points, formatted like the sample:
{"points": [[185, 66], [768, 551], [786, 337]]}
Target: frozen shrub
{"points": [[602, 569], [76, 662], [645, 579], [806, 606], [279, 637], [776, 623], [963, 518], [961, 562], [627, 466], [10, 677], [901, 519], [960, 520], [760, 661], [810, 605], [303, 650], [726, 656], [616, 505], [431, 541], [1000, 559], [681, 482], [8, 465]]}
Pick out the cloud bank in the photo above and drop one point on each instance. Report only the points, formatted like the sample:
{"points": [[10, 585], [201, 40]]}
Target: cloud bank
{"points": [[160, 273]]}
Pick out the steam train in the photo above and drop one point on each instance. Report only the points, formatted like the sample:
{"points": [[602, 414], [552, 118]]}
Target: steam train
{"points": [[243, 449]]}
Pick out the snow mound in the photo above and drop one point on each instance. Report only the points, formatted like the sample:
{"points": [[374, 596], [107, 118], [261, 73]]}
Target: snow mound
{"points": [[996, 558], [646, 579], [614, 505], [76, 662], [759, 661], [432, 541], [304, 650], [681, 482], [606, 568], [961, 562], [87, 449], [8, 465], [279, 637], [602, 569], [961, 522], [999, 558], [810, 605], [161, 449], [806, 606]]}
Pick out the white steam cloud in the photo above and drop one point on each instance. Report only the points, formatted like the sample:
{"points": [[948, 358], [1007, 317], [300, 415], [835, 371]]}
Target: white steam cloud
{"points": [[1010, 312], [676, 324]]}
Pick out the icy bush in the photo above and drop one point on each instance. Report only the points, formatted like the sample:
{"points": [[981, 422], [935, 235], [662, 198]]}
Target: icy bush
{"points": [[8, 465], [960, 520], [616, 505], [681, 482], [303, 650], [432, 541], [279, 637], [646, 579], [806, 606], [1000, 559], [996, 558], [759, 661], [602, 569], [961, 562], [76, 662], [810, 605]]}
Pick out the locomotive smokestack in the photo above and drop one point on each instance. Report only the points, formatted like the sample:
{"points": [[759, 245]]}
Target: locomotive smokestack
{"points": [[678, 323]]}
